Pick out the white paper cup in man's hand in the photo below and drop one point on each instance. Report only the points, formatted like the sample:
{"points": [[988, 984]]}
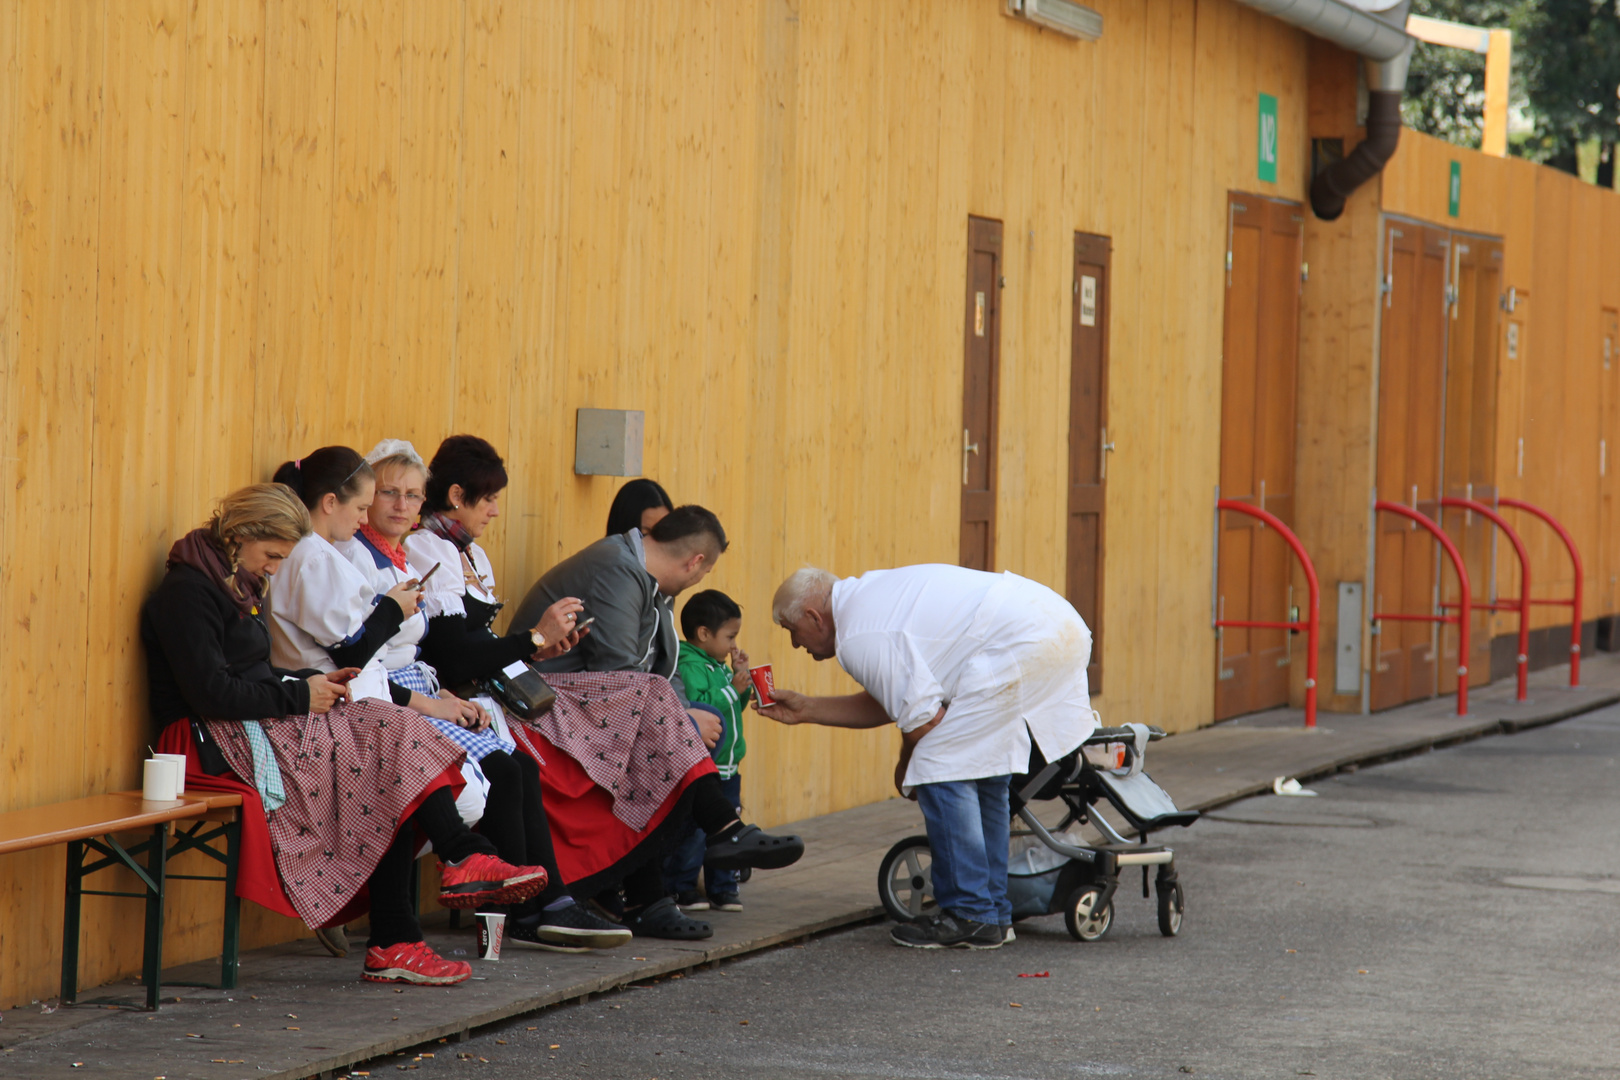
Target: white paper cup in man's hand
{"points": [[491, 932]]}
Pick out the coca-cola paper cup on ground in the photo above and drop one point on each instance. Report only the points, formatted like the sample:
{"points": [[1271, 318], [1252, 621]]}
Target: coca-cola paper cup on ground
{"points": [[491, 932], [763, 684]]}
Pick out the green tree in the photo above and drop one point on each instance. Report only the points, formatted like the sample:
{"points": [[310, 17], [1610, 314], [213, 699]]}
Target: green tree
{"points": [[1569, 52]]}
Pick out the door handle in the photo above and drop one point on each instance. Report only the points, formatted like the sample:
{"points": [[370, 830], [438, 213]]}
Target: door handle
{"points": [[1102, 456], [967, 448]]}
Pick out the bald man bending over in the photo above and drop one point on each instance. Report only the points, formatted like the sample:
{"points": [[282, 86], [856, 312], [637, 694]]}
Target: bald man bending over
{"points": [[971, 667]]}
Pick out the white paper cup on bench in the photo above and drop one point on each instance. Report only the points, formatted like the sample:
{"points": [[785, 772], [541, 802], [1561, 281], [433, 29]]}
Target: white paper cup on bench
{"points": [[180, 770], [491, 932], [159, 780]]}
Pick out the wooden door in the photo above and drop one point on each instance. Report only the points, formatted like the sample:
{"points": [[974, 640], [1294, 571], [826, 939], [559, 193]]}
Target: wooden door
{"points": [[982, 364], [1608, 444], [1411, 412], [1260, 358], [1088, 438], [1469, 458]]}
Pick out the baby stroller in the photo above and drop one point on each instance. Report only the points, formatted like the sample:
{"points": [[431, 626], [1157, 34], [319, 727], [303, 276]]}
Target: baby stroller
{"points": [[1051, 873]]}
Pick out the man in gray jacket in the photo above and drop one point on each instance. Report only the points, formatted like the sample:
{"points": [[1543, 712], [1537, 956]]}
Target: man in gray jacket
{"points": [[620, 579]]}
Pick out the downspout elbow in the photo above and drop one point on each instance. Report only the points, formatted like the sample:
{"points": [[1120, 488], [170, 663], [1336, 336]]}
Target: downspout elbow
{"points": [[1334, 184]]}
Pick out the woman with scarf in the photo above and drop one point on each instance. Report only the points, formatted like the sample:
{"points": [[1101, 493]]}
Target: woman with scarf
{"points": [[333, 789], [621, 766], [515, 814]]}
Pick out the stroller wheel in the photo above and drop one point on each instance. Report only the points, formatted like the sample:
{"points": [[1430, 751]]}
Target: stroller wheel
{"points": [[905, 880], [1083, 922], [1171, 905]]}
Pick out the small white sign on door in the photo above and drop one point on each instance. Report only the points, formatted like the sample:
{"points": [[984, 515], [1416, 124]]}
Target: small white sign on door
{"points": [[1088, 300]]}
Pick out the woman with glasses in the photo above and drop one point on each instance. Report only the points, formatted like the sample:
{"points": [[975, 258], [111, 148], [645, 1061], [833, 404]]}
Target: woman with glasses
{"points": [[513, 815]]}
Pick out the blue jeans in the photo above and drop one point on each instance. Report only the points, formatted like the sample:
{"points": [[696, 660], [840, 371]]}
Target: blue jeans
{"points": [[969, 829], [681, 866]]}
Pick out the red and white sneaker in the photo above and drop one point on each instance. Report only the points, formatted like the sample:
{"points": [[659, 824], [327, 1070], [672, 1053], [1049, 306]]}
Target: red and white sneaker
{"points": [[413, 962], [484, 879]]}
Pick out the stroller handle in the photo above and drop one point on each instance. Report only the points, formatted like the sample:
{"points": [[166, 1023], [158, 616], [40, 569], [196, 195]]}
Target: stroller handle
{"points": [[1123, 734]]}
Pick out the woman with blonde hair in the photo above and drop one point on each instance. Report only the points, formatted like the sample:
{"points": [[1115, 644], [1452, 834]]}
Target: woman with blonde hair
{"points": [[333, 790]]}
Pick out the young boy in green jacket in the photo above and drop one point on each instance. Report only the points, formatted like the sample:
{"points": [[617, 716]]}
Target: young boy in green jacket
{"points": [[710, 622]]}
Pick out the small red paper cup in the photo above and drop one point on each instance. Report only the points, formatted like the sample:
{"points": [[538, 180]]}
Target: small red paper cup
{"points": [[763, 684]]}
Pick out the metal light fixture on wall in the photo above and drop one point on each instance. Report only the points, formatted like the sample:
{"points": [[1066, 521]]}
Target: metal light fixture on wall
{"points": [[1064, 16]]}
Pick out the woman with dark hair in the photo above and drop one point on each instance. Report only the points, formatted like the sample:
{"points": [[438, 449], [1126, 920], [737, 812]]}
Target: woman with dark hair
{"points": [[640, 504], [333, 790], [622, 769]]}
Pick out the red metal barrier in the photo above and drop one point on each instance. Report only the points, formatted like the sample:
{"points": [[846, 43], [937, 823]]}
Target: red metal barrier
{"points": [[1574, 602], [1313, 619], [1522, 604], [1465, 608]]}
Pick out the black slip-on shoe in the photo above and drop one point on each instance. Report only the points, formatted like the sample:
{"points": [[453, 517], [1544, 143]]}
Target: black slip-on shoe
{"points": [[751, 846], [662, 919]]}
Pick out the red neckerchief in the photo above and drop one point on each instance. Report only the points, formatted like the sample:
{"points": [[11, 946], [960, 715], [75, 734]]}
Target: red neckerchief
{"points": [[394, 554]]}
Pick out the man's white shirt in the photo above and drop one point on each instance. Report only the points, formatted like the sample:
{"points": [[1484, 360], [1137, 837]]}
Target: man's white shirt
{"points": [[1006, 655]]}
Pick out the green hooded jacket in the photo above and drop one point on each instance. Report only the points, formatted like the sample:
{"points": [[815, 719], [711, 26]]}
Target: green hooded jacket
{"points": [[708, 682]]}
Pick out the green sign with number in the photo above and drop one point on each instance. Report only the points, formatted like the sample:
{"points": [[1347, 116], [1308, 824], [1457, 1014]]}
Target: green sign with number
{"points": [[1268, 138], [1455, 202]]}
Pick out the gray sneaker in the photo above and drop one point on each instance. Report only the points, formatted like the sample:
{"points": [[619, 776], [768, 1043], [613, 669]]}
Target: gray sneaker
{"points": [[945, 931]]}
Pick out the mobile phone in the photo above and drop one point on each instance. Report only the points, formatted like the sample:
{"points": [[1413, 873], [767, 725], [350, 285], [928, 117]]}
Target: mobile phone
{"points": [[421, 583], [583, 623], [341, 676]]}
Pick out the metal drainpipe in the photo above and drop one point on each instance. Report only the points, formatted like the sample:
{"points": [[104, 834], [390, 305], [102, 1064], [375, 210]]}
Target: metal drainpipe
{"points": [[1386, 50]]}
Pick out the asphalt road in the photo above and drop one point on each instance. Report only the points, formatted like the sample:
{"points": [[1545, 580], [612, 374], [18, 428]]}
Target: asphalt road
{"points": [[1451, 915]]}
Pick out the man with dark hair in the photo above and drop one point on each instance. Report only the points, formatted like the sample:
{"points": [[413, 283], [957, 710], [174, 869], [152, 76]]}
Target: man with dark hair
{"points": [[619, 579]]}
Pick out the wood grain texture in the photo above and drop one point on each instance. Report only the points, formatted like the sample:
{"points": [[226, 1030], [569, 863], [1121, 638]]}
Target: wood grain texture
{"points": [[234, 231]]}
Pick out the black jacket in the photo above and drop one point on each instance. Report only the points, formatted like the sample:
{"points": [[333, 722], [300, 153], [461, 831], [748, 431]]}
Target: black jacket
{"points": [[205, 660]]}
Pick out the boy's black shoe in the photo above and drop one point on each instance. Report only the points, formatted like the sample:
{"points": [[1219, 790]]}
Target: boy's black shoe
{"points": [[725, 902], [692, 900], [945, 931]]}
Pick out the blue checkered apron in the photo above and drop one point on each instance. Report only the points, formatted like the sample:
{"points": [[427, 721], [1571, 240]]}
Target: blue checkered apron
{"points": [[478, 744]]}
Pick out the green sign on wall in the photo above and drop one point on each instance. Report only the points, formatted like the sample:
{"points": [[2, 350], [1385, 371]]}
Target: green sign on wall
{"points": [[1455, 202], [1268, 138]]}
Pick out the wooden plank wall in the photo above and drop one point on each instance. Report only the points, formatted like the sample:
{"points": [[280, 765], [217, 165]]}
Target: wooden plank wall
{"points": [[1560, 239], [233, 231]]}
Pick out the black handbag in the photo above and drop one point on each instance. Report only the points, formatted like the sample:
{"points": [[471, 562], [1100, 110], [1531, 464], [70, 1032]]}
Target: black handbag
{"points": [[522, 690]]}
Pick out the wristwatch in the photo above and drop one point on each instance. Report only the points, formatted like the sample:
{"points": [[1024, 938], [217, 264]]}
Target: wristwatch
{"points": [[537, 637]]}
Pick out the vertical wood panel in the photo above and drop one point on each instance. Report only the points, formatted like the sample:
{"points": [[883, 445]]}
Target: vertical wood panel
{"points": [[295, 410]]}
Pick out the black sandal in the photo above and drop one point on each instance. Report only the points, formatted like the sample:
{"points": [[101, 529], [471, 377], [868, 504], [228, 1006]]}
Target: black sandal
{"points": [[663, 919], [750, 846]]}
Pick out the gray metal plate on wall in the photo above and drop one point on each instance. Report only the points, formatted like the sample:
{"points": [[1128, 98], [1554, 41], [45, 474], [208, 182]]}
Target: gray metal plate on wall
{"points": [[1347, 651], [608, 442]]}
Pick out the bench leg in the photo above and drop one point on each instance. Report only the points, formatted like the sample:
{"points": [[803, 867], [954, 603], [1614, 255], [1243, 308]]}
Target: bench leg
{"points": [[152, 966], [70, 921], [230, 950]]}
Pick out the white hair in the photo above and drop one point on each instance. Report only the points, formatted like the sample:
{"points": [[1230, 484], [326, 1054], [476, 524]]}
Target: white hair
{"points": [[809, 587]]}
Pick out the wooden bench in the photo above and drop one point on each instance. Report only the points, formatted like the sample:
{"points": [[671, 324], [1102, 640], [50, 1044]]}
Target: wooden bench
{"points": [[89, 826]]}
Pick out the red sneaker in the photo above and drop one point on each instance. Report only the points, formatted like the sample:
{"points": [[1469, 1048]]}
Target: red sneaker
{"points": [[413, 962], [484, 879]]}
